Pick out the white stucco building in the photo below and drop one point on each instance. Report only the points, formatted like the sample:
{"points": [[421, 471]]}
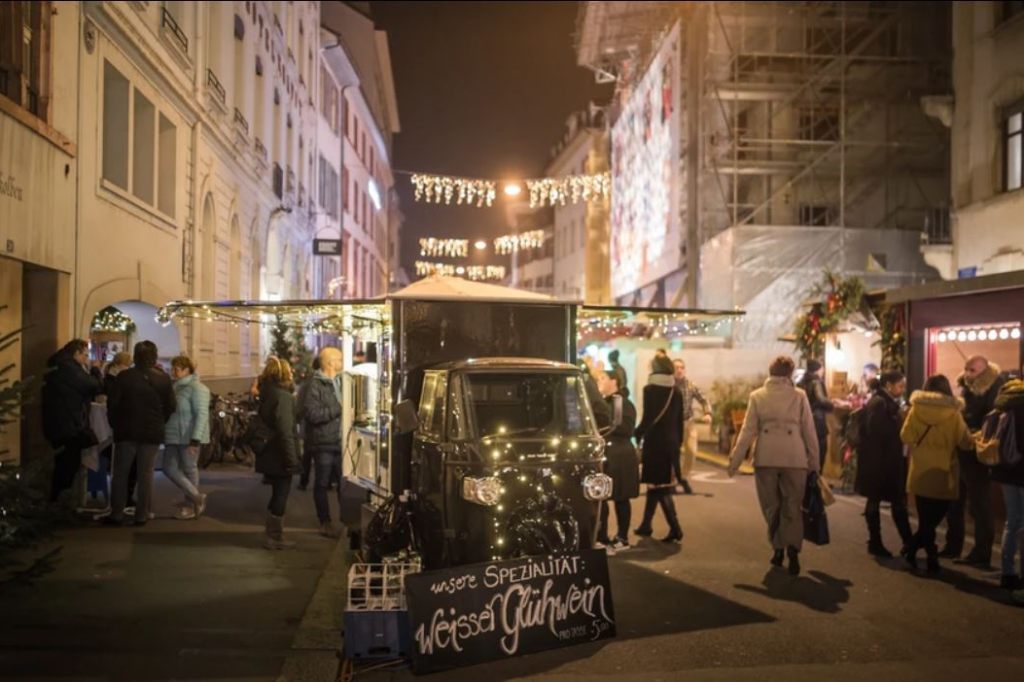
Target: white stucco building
{"points": [[581, 262], [987, 166]]}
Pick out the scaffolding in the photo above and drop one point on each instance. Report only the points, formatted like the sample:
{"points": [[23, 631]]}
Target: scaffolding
{"points": [[803, 141]]}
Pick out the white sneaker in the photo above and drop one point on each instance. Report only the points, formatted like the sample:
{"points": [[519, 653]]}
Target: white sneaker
{"points": [[619, 545], [185, 513], [200, 506], [609, 549]]}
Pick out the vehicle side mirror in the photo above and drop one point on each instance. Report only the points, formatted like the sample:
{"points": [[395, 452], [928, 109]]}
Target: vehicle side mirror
{"points": [[406, 417]]}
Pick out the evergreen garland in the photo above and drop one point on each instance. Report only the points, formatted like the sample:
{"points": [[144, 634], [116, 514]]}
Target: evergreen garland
{"points": [[280, 345], [841, 298], [893, 341]]}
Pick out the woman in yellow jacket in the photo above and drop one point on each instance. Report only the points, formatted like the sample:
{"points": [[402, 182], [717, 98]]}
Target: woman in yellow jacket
{"points": [[934, 429]]}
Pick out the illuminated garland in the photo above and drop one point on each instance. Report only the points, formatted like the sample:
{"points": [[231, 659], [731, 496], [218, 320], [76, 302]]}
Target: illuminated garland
{"points": [[473, 272], [444, 248], [112, 320], [893, 341], [434, 189], [571, 188], [511, 243]]}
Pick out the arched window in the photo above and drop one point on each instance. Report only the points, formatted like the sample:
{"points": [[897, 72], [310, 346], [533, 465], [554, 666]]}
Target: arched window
{"points": [[207, 280]]}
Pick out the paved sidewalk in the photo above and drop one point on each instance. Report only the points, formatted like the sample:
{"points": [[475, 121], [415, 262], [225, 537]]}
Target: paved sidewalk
{"points": [[184, 600]]}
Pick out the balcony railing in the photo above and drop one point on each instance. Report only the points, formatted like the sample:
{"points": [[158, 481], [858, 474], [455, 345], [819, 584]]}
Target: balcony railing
{"points": [[167, 21], [261, 150], [240, 120], [215, 85]]}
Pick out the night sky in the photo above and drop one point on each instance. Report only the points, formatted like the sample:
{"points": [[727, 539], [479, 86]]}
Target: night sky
{"points": [[484, 90]]}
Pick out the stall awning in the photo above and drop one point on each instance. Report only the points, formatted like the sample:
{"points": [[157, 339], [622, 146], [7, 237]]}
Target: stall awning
{"points": [[957, 287]]}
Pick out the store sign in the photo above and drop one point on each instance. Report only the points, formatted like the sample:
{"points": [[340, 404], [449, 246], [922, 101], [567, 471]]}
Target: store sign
{"points": [[967, 273], [326, 247], [485, 612]]}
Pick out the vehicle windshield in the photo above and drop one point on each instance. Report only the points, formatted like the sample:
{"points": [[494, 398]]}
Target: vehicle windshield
{"points": [[534, 405]]}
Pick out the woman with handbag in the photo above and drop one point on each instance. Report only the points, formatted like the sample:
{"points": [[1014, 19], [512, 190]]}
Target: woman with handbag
{"points": [[277, 458], [780, 426], [660, 431], [881, 466], [934, 429]]}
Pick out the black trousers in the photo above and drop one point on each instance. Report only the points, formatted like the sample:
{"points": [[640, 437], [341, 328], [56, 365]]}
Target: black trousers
{"points": [[280, 486], [930, 513], [900, 516], [622, 517], [66, 462], [975, 496]]}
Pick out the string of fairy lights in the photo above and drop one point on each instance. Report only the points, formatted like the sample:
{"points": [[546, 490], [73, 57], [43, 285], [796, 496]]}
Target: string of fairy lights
{"points": [[480, 192]]}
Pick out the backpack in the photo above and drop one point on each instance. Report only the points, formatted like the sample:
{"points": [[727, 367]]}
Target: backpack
{"points": [[854, 428], [997, 445]]}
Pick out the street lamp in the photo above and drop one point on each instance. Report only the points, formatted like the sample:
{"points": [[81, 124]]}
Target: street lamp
{"points": [[512, 189]]}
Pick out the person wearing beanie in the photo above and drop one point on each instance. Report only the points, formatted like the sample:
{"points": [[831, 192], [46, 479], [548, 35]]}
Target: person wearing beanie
{"points": [[814, 386]]}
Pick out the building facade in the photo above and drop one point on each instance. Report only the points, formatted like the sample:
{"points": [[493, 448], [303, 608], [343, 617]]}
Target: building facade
{"points": [[581, 264], [153, 151], [986, 113], [39, 166], [358, 62], [756, 144]]}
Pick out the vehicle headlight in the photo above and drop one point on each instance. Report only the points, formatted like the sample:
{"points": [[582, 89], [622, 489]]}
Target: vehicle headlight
{"points": [[485, 491], [597, 487]]}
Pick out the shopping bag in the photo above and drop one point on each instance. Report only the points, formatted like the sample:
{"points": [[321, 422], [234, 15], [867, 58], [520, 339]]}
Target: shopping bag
{"points": [[813, 508]]}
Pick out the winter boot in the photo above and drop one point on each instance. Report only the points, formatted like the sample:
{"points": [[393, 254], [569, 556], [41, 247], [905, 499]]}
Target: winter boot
{"points": [[275, 534], [668, 506], [910, 554], [777, 558], [875, 546], [794, 560], [650, 505]]}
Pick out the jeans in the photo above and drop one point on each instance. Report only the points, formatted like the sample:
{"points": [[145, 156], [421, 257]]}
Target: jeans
{"points": [[1013, 495], [328, 467], [307, 465], [683, 466], [182, 469], [125, 454], [280, 486], [930, 513]]}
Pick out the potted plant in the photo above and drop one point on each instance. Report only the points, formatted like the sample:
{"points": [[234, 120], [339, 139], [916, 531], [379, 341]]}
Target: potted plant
{"points": [[729, 398]]}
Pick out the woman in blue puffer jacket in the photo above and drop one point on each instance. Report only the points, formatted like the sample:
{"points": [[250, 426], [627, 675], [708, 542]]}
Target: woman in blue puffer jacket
{"points": [[187, 430]]}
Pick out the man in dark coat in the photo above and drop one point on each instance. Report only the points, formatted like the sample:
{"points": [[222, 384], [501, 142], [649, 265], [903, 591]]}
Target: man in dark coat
{"points": [[320, 409], [140, 404], [814, 386], [67, 393], [881, 467], [979, 384]]}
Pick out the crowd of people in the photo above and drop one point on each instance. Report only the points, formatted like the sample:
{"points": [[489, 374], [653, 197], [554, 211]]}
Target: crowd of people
{"points": [[926, 448]]}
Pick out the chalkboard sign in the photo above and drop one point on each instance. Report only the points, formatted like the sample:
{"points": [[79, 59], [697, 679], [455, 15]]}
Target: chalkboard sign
{"points": [[482, 612]]}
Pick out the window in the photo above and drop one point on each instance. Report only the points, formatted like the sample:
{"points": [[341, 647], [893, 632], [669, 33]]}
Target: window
{"points": [[817, 215], [115, 123], [344, 189], [25, 56], [329, 100], [1012, 132], [140, 144], [328, 188], [355, 195]]}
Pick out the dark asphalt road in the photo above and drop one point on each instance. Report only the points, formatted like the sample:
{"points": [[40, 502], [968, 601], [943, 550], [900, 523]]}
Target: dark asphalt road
{"points": [[712, 610], [187, 600]]}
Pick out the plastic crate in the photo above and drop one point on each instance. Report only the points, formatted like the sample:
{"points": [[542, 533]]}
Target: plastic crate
{"points": [[376, 619]]}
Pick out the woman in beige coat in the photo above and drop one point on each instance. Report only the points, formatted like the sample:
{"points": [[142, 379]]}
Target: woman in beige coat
{"points": [[934, 429], [780, 426]]}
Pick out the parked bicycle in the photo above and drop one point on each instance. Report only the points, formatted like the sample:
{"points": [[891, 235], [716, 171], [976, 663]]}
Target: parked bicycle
{"points": [[229, 417]]}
